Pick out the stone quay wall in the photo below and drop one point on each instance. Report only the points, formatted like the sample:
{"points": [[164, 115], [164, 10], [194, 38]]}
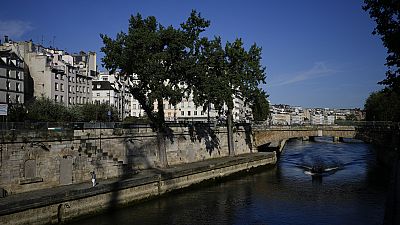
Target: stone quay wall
{"points": [[32, 160], [73, 203]]}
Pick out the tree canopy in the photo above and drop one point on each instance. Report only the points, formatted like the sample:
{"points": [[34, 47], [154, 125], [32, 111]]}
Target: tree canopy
{"points": [[387, 17], [385, 104], [161, 58], [167, 63]]}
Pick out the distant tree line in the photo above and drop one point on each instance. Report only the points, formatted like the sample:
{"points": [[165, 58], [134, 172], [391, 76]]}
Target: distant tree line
{"points": [[385, 104], [46, 110]]}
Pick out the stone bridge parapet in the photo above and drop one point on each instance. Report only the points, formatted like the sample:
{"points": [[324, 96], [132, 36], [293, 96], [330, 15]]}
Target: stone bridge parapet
{"points": [[266, 135]]}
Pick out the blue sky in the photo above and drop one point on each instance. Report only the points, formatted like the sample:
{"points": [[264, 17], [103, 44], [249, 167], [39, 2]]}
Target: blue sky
{"points": [[317, 53]]}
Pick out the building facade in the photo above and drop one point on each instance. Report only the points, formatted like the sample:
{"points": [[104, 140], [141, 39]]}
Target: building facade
{"points": [[11, 78], [55, 74]]}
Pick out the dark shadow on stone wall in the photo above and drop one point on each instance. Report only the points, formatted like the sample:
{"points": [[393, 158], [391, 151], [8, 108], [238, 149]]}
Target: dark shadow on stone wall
{"points": [[201, 131], [249, 135]]}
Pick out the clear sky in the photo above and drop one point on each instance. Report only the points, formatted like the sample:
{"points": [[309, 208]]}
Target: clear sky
{"points": [[317, 53]]}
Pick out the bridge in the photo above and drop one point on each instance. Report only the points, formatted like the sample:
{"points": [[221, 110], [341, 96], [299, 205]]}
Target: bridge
{"points": [[380, 133]]}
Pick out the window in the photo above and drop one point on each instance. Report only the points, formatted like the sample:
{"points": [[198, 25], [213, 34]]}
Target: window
{"points": [[8, 85], [56, 86], [56, 75], [188, 113], [182, 113], [195, 113], [134, 106], [17, 86], [17, 99], [108, 94], [62, 87], [98, 94], [7, 73], [87, 90], [61, 98], [17, 75], [55, 98], [98, 86], [202, 113], [69, 100], [8, 98]]}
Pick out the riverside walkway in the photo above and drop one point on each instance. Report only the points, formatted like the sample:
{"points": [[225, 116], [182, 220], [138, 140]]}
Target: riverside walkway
{"points": [[20, 208]]}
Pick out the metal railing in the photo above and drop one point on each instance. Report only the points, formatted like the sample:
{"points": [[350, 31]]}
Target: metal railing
{"points": [[113, 125]]}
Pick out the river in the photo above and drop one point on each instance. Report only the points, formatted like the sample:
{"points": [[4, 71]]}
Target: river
{"points": [[313, 183]]}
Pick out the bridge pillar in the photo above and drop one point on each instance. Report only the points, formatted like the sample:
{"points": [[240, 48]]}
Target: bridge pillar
{"points": [[335, 139], [338, 139], [311, 138]]}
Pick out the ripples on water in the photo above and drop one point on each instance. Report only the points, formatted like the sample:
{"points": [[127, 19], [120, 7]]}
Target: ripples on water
{"points": [[351, 192]]}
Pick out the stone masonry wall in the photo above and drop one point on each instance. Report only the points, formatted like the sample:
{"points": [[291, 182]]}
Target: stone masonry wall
{"points": [[37, 160]]}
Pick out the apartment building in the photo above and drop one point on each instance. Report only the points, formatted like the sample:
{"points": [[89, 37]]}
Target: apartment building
{"points": [[54, 74], [114, 90], [11, 77]]}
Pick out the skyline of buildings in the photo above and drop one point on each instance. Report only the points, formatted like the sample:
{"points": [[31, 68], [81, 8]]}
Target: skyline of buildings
{"points": [[29, 70]]}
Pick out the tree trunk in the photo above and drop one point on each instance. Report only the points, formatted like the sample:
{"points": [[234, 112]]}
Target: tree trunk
{"points": [[231, 146], [162, 150], [161, 134]]}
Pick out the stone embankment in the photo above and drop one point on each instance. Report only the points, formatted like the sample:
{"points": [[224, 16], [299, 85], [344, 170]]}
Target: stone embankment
{"points": [[64, 203]]}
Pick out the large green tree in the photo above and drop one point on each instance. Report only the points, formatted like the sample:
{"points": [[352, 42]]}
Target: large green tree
{"points": [[260, 105], [228, 72], [385, 104], [161, 58], [386, 14]]}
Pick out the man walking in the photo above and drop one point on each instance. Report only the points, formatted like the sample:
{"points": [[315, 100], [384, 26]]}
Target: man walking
{"points": [[93, 178]]}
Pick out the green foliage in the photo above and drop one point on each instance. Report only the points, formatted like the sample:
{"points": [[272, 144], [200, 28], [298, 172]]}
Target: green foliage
{"points": [[136, 120], [351, 117], [94, 112], [383, 106], [387, 17], [17, 112], [227, 72], [46, 110], [260, 106], [161, 57]]}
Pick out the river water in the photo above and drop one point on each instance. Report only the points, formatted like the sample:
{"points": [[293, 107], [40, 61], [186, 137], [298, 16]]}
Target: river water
{"points": [[346, 186]]}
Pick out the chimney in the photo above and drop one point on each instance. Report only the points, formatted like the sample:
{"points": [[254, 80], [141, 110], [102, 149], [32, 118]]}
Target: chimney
{"points": [[5, 39]]}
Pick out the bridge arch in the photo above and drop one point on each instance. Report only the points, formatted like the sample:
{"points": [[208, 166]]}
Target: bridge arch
{"points": [[267, 135]]}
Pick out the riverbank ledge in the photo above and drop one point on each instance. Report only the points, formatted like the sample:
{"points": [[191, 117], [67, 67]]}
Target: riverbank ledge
{"points": [[65, 203]]}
